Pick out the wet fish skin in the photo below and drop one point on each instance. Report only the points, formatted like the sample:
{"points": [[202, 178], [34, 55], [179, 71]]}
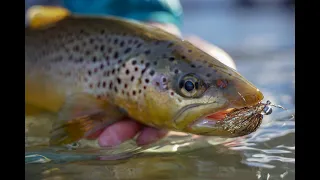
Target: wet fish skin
{"points": [[82, 66]]}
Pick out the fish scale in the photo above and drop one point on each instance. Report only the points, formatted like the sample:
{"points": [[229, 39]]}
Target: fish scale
{"points": [[125, 68]]}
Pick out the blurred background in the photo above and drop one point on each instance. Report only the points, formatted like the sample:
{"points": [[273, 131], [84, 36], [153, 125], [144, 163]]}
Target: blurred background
{"points": [[258, 34], [260, 37], [242, 26]]}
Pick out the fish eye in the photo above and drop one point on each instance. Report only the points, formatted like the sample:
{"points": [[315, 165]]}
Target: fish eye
{"points": [[191, 86], [188, 85]]}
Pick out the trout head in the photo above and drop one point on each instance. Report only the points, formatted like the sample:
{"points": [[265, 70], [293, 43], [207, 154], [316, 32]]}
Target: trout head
{"points": [[189, 87]]}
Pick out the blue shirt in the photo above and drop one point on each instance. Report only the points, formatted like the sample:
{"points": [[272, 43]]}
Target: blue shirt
{"points": [[162, 11]]}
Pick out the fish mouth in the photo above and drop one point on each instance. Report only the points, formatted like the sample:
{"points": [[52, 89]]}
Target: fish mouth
{"points": [[216, 116], [218, 123]]}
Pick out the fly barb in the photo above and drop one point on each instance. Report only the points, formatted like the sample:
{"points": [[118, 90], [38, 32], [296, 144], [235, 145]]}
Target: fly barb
{"points": [[267, 110]]}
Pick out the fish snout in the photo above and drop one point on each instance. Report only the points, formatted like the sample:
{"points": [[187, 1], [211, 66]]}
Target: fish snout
{"points": [[242, 93]]}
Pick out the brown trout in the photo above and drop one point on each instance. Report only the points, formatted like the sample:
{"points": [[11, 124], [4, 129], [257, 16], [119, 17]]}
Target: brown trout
{"points": [[93, 71]]}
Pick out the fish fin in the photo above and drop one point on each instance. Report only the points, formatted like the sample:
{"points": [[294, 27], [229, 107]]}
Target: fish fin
{"points": [[42, 93], [80, 116], [44, 16], [31, 110]]}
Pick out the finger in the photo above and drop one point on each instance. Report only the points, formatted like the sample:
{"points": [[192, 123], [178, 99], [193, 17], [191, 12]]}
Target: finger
{"points": [[119, 132], [149, 135], [95, 135]]}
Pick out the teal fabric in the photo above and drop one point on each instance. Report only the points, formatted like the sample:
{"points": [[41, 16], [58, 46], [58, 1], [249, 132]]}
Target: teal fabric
{"points": [[163, 11]]}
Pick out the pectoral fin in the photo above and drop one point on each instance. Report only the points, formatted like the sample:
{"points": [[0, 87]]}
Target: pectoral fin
{"points": [[80, 116]]}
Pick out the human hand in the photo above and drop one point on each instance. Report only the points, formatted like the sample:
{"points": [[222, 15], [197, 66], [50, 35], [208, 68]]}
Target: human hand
{"points": [[126, 129]]}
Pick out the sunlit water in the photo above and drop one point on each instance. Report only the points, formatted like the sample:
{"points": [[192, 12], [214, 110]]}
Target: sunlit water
{"points": [[267, 154]]}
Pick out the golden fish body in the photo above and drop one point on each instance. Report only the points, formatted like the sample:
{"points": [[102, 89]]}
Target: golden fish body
{"points": [[93, 71]]}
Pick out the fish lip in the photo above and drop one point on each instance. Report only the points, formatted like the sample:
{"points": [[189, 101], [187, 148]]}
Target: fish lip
{"points": [[193, 106], [184, 109]]}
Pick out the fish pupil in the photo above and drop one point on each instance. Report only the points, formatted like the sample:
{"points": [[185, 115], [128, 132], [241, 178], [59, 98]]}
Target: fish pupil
{"points": [[189, 86]]}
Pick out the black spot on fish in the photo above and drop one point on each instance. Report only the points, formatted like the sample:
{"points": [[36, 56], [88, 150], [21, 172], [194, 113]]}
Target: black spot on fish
{"points": [[121, 43], [119, 80], [151, 72], [171, 59], [76, 48], [94, 59], [115, 41], [164, 80], [115, 55], [127, 50], [143, 71]]}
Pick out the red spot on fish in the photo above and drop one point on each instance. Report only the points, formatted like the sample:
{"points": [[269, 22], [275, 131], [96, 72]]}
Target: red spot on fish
{"points": [[222, 83]]}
